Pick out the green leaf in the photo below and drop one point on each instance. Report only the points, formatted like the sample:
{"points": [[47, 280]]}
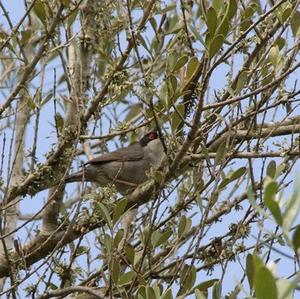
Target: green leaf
{"points": [[211, 20], [72, 18], [275, 210], [242, 80], [264, 284], [107, 243], [180, 63], [214, 197], [203, 286], [158, 289], [104, 213], [244, 25], [199, 294], [286, 14], [176, 117], [141, 292], [25, 36], [39, 9], [296, 238], [217, 290], [164, 95], [172, 84], [156, 45], [224, 183], [249, 11], [280, 42], [218, 5], [238, 173], [115, 271], [155, 237], [250, 193], [231, 9], [130, 253], [250, 270], [187, 279], [181, 226], [118, 237], [274, 55], [295, 23], [278, 12], [126, 278], [207, 41], [257, 262], [37, 98], [153, 24], [184, 226], [175, 25], [150, 293], [267, 75], [220, 155], [192, 67], [145, 234], [167, 294], [279, 169], [223, 28], [119, 210], [203, 7], [159, 238], [215, 45], [171, 60], [270, 191], [168, 8], [168, 90], [271, 169]]}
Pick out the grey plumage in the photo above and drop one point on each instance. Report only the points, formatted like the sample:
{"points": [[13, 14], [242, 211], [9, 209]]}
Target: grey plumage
{"points": [[125, 168]]}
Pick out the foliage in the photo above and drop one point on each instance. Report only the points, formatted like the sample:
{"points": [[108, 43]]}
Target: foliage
{"points": [[217, 79]]}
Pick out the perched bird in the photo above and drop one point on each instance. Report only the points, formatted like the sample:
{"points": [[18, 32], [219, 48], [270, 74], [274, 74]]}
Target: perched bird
{"points": [[126, 167]]}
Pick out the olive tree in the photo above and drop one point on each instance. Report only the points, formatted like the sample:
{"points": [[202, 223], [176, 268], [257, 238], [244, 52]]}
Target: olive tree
{"points": [[218, 80]]}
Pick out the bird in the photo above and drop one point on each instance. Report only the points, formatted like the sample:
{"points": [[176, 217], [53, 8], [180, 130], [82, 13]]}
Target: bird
{"points": [[126, 167]]}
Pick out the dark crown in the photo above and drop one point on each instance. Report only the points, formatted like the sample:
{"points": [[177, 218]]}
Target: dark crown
{"points": [[148, 137]]}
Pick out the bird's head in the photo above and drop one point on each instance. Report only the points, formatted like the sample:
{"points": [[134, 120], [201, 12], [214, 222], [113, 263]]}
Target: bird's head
{"points": [[153, 135]]}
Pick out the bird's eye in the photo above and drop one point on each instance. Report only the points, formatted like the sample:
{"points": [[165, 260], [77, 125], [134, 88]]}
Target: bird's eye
{"points": [[152, 136]]}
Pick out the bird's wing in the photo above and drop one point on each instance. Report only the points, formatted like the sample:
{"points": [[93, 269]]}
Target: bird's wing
{"points": [[131, 153]]}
